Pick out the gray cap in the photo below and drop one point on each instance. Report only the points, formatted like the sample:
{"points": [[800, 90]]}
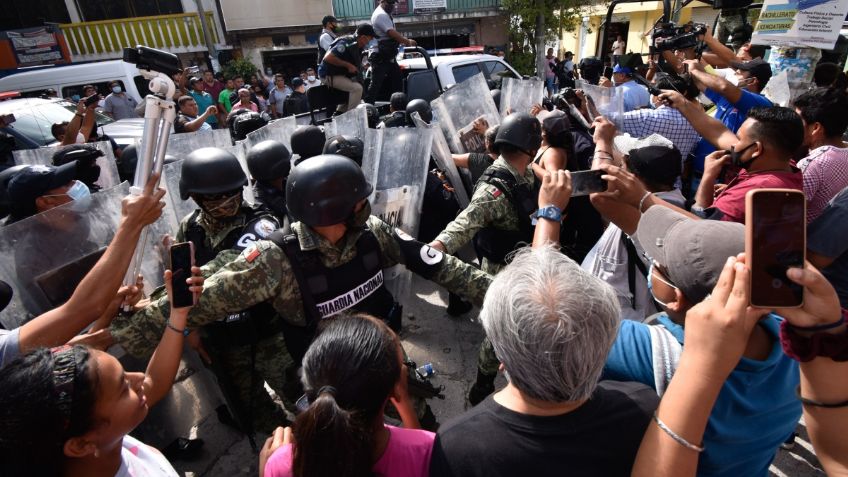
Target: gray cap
{"points": [[693, 252], [626, 143]]}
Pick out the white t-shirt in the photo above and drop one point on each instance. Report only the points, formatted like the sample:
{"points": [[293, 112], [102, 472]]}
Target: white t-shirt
{"points": [[140, 460], [618, 47], [382, 23]]}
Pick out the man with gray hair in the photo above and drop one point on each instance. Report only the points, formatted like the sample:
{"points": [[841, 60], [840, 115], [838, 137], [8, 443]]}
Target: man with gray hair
{"points": [[552, 325]]}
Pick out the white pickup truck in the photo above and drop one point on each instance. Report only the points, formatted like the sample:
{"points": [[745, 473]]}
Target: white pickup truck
{"points": [[450, 70]]}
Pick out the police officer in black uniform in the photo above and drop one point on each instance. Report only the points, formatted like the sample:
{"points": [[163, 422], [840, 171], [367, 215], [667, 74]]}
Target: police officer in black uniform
{"points": [[245, 348], [372, 114], [269, 163], [383, 59], [397, 112], [347, 146], [307, 142], [244, 123]]}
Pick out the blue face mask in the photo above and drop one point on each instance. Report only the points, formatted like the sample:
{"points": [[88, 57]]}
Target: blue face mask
{"points": [[78, 191]]}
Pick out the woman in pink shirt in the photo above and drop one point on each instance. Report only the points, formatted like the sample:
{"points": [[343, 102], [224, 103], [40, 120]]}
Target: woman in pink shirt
{"points": [[351, 370]]}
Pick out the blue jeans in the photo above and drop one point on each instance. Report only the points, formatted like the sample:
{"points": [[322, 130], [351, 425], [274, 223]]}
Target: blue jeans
{"points": [[550, 86]]}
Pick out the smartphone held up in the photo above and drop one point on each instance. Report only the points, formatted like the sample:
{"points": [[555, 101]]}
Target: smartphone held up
{"points": [[587, 182], [182, 259], [775, 240]]}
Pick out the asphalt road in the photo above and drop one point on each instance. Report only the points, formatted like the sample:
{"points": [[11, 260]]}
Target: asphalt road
{"points": [[450, 344]]}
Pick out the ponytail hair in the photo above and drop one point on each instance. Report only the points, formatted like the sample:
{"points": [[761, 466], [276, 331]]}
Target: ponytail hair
{"points": [[48, 396], [349, 372]]}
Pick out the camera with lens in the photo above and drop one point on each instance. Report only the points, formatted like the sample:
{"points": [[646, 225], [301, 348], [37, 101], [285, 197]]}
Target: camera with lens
{"points": [[668, 36], [152, 59]]}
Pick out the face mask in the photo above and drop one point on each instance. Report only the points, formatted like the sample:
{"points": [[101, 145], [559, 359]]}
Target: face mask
{"points": [[736, 156], [75, 98], [116, 89], [357, 220], [223, 208], [651, 275], [310, 78]]}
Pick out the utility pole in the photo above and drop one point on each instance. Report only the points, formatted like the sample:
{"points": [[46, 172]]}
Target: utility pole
{"points": [[540, 38], [207, 36]]}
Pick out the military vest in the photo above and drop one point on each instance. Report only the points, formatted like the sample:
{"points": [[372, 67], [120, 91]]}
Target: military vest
{"points": [[493, 243]]}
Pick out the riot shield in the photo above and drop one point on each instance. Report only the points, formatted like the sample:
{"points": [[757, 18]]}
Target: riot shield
{"points": [[459, 108], [277, 130], [179, 208], [397, 166], [180, 145], [600, 101], [352, 123], [108, 165], [441, 154], [519, 95]]}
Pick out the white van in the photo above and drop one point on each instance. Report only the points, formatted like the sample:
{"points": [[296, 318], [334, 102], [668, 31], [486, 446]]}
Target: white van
{"points": [[69, 80]]}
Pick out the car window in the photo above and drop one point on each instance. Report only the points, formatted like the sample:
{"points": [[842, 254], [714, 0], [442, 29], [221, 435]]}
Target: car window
{"points": [[463, 72], [76, 89], [497, 70], [35, 122], [99, 117]]}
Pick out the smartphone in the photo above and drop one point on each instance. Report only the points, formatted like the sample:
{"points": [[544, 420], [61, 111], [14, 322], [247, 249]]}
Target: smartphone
{"points": [[775, 239], [587, 182], [182, 259], [93, 99], [608, 72]]}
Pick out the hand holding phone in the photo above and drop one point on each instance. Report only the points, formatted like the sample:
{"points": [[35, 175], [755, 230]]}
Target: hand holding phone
{"points": [[775, 240], [587, 182], [182, 259], [91, 100]]}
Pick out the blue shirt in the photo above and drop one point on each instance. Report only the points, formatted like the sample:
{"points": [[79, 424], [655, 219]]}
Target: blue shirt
{"points": [[204, 100], [635, 95], [732, 115], [756, 409]]}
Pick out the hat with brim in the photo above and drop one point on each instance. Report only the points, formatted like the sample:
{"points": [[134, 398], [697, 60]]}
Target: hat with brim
{"points": [[34, 182], [758, 68], [622, 69], [692, 252]]}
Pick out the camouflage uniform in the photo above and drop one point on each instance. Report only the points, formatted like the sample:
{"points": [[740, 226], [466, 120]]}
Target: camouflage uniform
{"points": [[263, 273], [488, 207], [268, 358]]}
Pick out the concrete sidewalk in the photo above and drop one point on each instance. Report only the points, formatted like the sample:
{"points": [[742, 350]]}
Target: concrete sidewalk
{"points": [[451, 345]]}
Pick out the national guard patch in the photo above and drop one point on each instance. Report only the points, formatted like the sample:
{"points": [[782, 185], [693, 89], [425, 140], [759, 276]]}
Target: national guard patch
{"points": [[252, 253], [264, 228], [495, 192]]}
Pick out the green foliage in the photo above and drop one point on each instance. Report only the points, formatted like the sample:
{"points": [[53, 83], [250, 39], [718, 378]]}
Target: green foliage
{"points": [[239, 67], [560, 16]]}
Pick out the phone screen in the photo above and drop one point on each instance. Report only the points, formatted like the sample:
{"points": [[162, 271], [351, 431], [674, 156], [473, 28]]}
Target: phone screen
{"points": [[587, 182], [93, 99], [776, 235], [182, 258]]}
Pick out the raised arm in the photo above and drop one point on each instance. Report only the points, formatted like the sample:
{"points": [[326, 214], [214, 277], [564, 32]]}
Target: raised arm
{"points": [[97, 289], [708, 127], [706, 80]]}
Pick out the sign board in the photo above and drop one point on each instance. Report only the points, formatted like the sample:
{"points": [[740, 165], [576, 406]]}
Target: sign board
{"points": [[804, 23], [35, 46], [429, 6], [401, 7]]}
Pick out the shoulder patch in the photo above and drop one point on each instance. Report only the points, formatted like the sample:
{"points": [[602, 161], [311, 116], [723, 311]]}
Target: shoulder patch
{"points": [[494, 191], [252, 253], [264, 228], [341, 47]]}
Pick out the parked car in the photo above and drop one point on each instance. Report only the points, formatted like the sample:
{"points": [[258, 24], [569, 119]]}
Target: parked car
{"points": [[455, 69], [68, 80]]}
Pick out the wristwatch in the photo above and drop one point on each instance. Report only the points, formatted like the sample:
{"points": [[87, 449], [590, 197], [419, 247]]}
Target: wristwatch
{"points": [[549, 212]]}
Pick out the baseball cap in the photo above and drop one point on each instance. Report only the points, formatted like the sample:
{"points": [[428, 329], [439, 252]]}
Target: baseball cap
{"points": [[758, 67], [626, 143], [33, 182], [692, 251], [296, 82], [554, 122], [328, 19], [622, 69], [192, 80], [655, 164]]}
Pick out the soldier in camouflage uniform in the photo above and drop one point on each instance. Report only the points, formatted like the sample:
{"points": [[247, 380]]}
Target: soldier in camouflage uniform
{"points": [[498, 219], [243, 348], [340, 251]]}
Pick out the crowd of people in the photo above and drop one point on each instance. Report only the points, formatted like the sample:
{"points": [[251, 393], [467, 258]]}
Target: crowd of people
{"points": [[621, 320]]}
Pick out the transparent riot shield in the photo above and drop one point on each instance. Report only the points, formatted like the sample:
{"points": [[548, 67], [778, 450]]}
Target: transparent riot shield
{"points": [[463, 111], [277, 130], [180, 145], [519, 95], [179, 208], [397, 166], [601, 101], [44, 156], [352, 123], [441, 154]]}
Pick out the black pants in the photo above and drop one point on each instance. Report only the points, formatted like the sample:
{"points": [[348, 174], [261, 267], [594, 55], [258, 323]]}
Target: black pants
{"points": [[382, 71]]}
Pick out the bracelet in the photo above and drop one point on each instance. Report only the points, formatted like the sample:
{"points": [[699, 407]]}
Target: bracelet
{"points": [[78, 114], [819, 344], [603, 152], [642, 201], [810, 402], [674, 436], [828, 326], [184, 331]]}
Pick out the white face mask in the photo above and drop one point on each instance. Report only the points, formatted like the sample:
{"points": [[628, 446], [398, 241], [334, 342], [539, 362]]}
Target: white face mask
{"points": [[116, 89], [310, 78]]}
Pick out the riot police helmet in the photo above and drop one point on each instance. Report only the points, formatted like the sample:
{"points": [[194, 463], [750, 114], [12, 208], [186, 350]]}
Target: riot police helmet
{"points": [[325, 189], [421, 107], [268, 160], [210, 170], [372, 113], [5, 177], [245, 123], [496, 97], [347, 146], [521, 131], [308, 142]]}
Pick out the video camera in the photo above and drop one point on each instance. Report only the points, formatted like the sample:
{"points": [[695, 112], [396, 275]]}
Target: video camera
{"points": [[668, 36], [152, 60]]}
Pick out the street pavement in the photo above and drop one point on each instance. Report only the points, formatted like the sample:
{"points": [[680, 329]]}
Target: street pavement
{"points": [[451, 345]]}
